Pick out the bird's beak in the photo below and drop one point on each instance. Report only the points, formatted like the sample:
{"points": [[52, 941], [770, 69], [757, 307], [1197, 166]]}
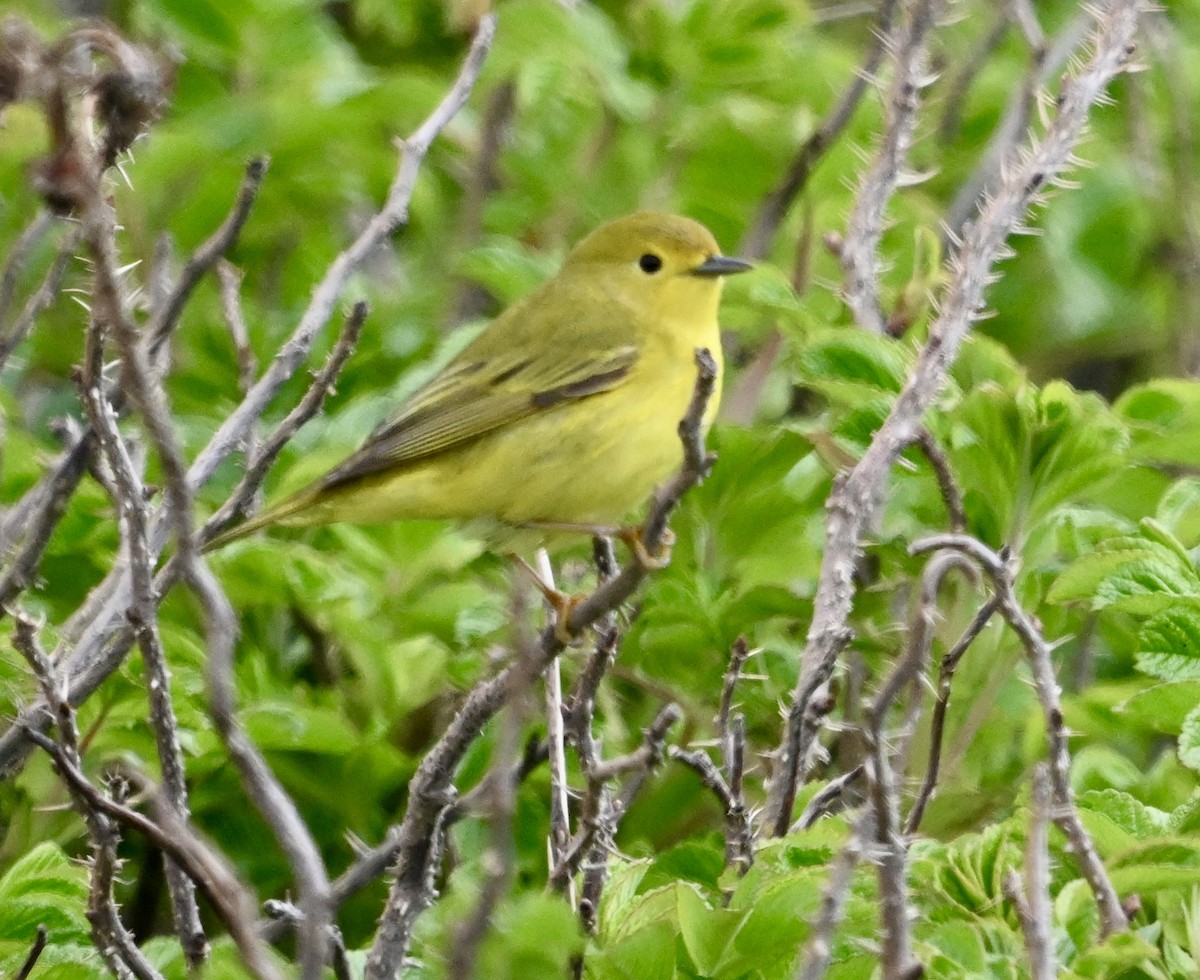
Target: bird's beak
{"points": [[721, 265]]}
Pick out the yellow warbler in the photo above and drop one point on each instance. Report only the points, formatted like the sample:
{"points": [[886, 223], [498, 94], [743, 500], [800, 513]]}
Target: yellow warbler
{"points": [[562, 413]]}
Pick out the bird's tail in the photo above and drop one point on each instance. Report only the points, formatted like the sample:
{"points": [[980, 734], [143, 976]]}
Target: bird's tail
{"points": [[284, 512]]}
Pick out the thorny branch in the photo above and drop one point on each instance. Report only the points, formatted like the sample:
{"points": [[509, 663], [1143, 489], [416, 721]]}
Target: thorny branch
{"points": [[129, 499], [230, 899], [1002, 576], [833, 899], [599, 818], [859, 494], [937, 726], [1032, 899], [757, 241], [891, 851], [93, 642], [859, 251], [72, 179], [500, 857], [109, 934]]}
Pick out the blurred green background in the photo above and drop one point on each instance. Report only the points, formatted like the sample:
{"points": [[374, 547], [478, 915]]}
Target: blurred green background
{"points": [[356, 641]]}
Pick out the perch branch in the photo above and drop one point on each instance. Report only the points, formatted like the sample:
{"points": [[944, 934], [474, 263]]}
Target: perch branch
{"points": [[431, 789]]}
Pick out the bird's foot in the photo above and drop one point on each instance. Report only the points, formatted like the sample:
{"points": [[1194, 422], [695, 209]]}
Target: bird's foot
{"points": [[633, 536], [562, 604]]}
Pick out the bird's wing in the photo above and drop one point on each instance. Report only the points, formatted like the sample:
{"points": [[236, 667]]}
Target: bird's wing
{"points": [[480, 392]]}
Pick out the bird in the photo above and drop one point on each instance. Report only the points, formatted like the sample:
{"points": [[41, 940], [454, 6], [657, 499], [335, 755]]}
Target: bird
{"points": [[561, 415]]}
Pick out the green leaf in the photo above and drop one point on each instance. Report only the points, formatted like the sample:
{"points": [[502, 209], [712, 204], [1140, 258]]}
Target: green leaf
{"points": [[1156, 866], [293, 727], [1164, 417], [707, 932], [1163, 707], [44, 887], [1117, 821], [623, 919], [1119, 953], [849, 365], [648, 954], [505, 269], [1179, 510], [1141, 574], [961, 948], [535, 935], [1189, 740], [1169, 644]]}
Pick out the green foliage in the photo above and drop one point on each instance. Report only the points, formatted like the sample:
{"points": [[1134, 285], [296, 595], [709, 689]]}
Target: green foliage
{"points": [[357, 643], [44, 887]]}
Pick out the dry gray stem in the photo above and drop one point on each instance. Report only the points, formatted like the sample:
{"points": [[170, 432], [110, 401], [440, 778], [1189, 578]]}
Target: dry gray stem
{"points": [[859, 494], [1038, 652], [859, 252]]}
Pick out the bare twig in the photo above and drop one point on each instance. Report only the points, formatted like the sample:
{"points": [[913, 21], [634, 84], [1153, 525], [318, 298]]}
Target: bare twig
{"points": [[40, 299], [857, 497], [35, 518], [738, 656], [600, 821], [1038, 651], [833, 899], [229, 897], [739, 834], [957, 87], [757, 241], [1033, 901], [166, 315], [833, 798], [560, 814], [1043, 63], [129, 500], [891, 852], [229, 279], [29, 239], [111, 308], [471, 299], [937, 724], [947, 485], [260, 462], [97, 643], [499, 858], [35, 952], [109, 934], [859, 251]]}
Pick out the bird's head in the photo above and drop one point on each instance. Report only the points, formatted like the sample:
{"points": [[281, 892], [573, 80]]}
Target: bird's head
{"points": [[667, 266]]}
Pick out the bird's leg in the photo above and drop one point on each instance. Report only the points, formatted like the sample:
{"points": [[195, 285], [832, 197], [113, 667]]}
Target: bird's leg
{"points": [[562, 603], [633, 536]]}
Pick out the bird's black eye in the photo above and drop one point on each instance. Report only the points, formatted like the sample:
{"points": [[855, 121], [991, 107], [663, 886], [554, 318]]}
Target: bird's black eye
{"points": [[650, 263]]}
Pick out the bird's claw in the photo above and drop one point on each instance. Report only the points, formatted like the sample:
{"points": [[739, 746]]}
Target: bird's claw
{"points": [[633, 536], [563, 605]]}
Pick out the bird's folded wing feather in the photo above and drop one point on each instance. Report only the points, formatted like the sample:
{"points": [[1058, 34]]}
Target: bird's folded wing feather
{"points": [[473, 397]]}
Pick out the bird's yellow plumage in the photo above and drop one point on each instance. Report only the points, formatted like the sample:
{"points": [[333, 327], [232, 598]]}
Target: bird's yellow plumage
{"points": [[563, 411]]}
